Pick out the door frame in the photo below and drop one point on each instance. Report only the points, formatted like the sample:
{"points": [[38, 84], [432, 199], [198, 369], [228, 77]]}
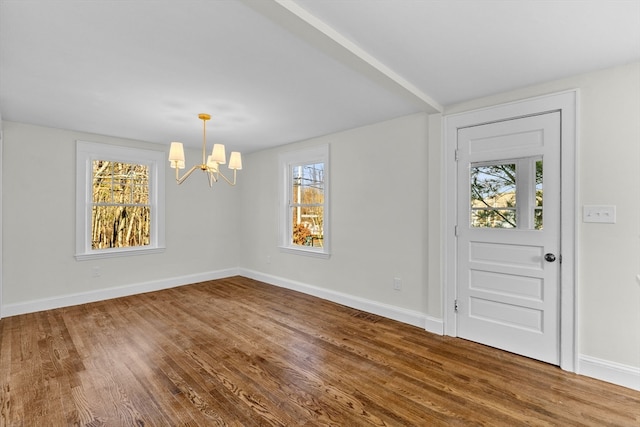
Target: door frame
{"points": [[567, 104], [1, 163]]}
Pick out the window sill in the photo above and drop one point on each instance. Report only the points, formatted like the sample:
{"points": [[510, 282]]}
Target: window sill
{"points": [[110, 253], [306, 252]]}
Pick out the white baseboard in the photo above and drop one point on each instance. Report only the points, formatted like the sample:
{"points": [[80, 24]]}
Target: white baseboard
{"points": [[433, 325], [615, 373], [411, 317], [403, 315], [110, 293]]}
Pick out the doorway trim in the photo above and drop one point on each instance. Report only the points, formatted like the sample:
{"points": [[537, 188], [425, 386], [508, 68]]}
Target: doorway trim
{"points": [[567, 104], [1, 163]]}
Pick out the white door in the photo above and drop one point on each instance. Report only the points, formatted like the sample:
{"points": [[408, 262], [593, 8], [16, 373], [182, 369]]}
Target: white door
{"points": [[508, 235]]}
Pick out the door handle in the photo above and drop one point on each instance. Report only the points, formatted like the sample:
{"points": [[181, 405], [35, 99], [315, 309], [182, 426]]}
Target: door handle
{"points": [[549, 257]]}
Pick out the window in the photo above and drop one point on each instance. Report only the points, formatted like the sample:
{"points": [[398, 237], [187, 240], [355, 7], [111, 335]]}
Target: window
{"points": [[493, 195], [304, 200], [119, 201], [507, 194]]}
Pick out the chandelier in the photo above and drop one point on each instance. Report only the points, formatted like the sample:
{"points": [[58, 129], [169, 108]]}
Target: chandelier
{"points": [[210, 164]]}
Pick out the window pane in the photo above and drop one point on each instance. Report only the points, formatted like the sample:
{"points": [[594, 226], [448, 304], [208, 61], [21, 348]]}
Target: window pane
{"points": [[141, 176], [493, 195], [141, 194], [101, 181], [120, 226], [101, 191], [537, 218], [308, 226], [115, 223], [489, 218], [307, 204], [537, 213], [102, 169], [308, 184], [120, 192]]}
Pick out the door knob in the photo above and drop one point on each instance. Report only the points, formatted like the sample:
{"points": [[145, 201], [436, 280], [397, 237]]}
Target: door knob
{"points": [[549, 257]]}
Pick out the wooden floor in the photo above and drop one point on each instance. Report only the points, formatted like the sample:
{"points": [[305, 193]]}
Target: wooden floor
{"points": [[242, 353]]}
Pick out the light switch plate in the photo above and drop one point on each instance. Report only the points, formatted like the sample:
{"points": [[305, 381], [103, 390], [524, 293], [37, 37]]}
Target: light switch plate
{"points": [[599, 213]]}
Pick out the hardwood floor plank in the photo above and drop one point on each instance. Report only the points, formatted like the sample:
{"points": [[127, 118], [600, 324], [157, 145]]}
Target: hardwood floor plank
{"points": [[6, 335], [237, 352]]}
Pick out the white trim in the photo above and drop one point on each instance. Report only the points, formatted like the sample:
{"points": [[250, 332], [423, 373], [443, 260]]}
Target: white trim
{"points": [[326, 38], [403, 315], [116, 292], [615, 373], [316, 154], [1, 225], [86, 152], [567, 103], [433, 325], [315, 253], [114, 253]]}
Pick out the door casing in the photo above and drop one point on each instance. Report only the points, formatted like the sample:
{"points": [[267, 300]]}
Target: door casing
{"points": [[566, 103], [1, 163]]}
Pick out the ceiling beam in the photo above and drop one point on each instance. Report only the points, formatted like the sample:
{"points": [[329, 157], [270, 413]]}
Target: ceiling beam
{"points": [[297, 20]]}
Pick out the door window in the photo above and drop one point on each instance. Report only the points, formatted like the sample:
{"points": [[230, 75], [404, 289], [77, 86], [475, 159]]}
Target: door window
{"points": [[493, 195], [537, 210], [507, 194]]}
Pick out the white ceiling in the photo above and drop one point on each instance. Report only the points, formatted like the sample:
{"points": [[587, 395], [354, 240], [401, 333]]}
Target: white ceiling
{"points": [[272, 72]]}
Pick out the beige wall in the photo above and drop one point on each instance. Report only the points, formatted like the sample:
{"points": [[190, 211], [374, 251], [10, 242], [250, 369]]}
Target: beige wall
{"points": [[378, 215], [39, 223]]}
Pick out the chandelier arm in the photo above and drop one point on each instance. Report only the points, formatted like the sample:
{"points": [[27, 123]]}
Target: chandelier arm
{"points": [[227, 179], [186, 175]]}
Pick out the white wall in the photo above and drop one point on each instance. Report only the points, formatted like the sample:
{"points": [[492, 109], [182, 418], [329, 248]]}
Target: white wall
{"points": [[378, 218], [608, 173], [39, 268]]}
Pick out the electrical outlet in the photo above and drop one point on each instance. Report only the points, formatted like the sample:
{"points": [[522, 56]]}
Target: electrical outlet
{"points": [[397, 283]]}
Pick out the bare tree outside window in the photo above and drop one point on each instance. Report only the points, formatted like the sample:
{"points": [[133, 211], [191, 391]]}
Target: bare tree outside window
{"points": [[493, 196], [121, 212]]}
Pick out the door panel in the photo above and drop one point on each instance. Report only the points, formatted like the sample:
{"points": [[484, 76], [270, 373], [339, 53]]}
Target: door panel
{"points": [[507, 313], [506, 284], [508, 218]]}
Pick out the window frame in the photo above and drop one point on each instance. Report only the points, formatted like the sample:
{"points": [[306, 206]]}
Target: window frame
{"points": [[287, 160], [86, 153]]}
